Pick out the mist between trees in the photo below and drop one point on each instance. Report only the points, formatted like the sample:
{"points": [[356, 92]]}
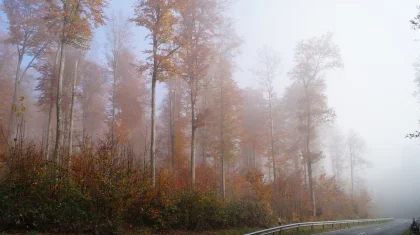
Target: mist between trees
{"points": [[85, 147]]}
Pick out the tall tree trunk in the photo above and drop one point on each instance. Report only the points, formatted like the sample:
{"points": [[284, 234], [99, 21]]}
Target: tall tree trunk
{"points": [[193, 130], [253, 155], [171, 120], [113, 100], [44, 133], [48, 140], [204, 135], [352, 175], [308, 152], [222, 141], [47, 155], [153, 113], [272, 137], [13, 107], [311, 189], [152, 132], [73, 93], [337, 164], [145, 153], [305, 171], [58, 137]]}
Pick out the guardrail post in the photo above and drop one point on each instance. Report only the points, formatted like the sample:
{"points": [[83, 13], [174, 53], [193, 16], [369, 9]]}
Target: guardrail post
{"points": [[297, 230], [323, 227]]}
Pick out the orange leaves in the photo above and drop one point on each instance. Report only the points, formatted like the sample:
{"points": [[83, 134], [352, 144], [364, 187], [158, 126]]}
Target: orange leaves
{"points": [[158, 17], [73, 20], [256, 179]]}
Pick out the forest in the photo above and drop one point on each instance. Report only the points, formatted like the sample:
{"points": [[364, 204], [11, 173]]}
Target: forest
{"points": [[86, 146]]}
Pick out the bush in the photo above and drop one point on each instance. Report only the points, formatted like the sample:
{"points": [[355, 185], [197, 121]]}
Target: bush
{"points": [[41, 206], [246, 213]]}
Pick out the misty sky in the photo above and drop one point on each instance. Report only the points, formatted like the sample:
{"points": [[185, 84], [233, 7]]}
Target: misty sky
{"points": [[372, 94]]}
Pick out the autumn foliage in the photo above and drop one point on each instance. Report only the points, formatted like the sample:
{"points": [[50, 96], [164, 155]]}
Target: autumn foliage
{"points": [[90, 149]]}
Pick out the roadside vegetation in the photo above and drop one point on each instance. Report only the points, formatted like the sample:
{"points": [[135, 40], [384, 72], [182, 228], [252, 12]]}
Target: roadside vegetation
{"points": [[86, 148]]}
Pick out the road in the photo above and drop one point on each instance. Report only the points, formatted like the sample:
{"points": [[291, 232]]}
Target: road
{"points": [[396, 227]]}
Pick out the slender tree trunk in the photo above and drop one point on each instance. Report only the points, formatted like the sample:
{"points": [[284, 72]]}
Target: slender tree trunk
{"points": [[48, 140], [66, 123], [308, 152], [337, 164], [305, 172], [47, 147], [193, 130], [44, 133], [352, 175], [113, 100], [73, 93], [253, 155], [204, 136], [171, 121], [272, 138], [311, 189], [222, 141], [153, 113], [145, 153], [84, 125], [58, 137], [13, 107], [152, 134]]}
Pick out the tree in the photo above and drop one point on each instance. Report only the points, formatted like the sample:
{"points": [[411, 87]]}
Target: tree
{"points": [[174, 121], [73, 88], [198, 23], [336, 150], [7, 62], [416, 66], [118, 38], [92, 98], [47, 86], [72, 21], [254, 129], [27, 32], [158, 17], [269, 69], [415, 23], [130, 92], [355, 149], [230, 110], [312, 58]]}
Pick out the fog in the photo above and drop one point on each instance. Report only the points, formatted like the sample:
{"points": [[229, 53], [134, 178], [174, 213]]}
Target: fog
{"points": [[372, 94], [300, 108]]}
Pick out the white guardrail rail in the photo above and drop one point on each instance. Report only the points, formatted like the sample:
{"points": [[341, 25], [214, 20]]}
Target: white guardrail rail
{"points": [[320, 223]]}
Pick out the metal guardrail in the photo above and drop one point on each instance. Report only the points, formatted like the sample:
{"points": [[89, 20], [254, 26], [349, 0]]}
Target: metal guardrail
{"points": [[312, 224]]}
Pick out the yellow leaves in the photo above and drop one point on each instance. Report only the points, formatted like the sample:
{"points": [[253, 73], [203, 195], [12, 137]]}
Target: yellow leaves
{"points": [[19, 110], [158, 18]]}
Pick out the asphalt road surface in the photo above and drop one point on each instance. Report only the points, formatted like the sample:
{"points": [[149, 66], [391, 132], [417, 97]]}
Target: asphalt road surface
{"points": [[396, 227]]}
